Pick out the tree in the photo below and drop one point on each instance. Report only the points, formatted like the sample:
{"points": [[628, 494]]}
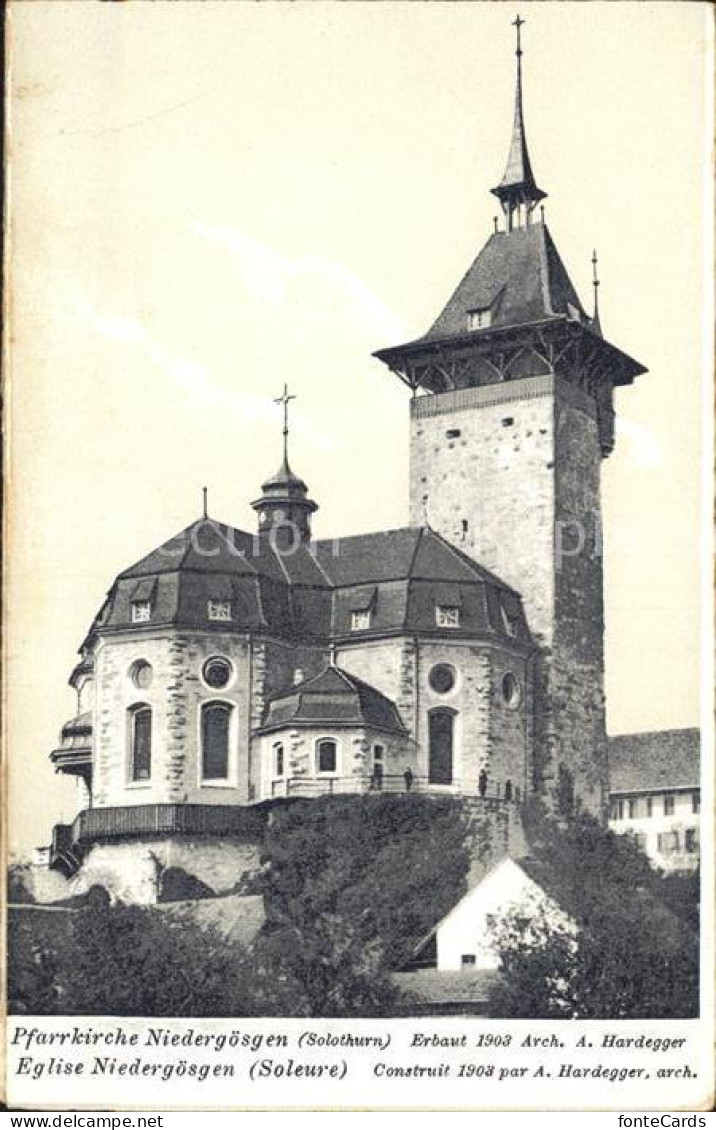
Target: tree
{"points": [[137, 961], [632, 956], [19, 883], [351, 884]]}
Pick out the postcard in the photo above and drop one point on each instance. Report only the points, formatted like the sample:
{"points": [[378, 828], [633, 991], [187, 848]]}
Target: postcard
{"points": [[358, 610]]}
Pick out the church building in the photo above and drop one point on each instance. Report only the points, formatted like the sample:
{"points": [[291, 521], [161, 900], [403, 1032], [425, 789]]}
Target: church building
{"points": [[229, 670]]}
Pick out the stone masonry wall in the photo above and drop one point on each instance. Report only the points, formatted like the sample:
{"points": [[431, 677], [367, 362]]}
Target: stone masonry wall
{"points": [[488, 734], [498, 468], [354, 760], [131, 871], [577, 676], [176, 694]]}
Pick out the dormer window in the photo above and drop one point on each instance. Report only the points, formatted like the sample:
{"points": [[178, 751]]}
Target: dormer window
{"points": [[479, 319], [219, 610], [509, 622], [447, 616], [141, 611], [361, 603]]}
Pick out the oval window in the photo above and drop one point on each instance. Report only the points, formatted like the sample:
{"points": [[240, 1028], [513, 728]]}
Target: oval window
{"points": [[141, 674], [511, 691], [217, 672], [442, 678]]}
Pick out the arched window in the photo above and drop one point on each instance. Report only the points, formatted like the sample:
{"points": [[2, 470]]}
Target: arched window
{"points": [[441, 724], [278, 759], [140, 742], [326, 755], [215, 724], [378, 766]]}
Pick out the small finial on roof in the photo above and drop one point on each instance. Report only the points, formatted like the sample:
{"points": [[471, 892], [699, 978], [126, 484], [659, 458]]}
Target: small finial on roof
{"points": [[494, 220], [332, 655], [595, 283], [541, 213], [205, 493]]}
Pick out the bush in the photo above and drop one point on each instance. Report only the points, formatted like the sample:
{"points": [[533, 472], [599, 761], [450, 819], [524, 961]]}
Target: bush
{"points": [[19, 883], [351, 884], [633, 957]]}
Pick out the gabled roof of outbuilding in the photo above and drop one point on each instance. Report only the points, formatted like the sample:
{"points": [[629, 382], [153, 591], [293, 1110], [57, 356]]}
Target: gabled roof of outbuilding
{"points": [[333, 697], [654, 760]]}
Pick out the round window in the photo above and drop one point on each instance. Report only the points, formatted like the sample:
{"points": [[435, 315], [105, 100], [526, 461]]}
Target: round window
{"points": [[442, 678], [511, 691], [141, 674], [217, 672]]}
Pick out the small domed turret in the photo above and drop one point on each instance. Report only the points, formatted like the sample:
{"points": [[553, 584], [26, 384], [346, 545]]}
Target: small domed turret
{"points": [[285, 509]]}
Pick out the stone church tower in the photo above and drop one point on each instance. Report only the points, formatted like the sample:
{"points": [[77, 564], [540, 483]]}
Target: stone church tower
{"points": [[510, 418]]}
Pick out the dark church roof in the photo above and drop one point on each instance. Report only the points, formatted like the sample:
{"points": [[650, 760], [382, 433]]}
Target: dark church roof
{"points": [[654, 761], [520, 276], [334, 697], [398, 575]]}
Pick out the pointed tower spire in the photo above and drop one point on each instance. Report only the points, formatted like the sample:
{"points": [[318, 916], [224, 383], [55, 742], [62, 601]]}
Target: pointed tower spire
{"points": [[596, 324], [518, 186]]}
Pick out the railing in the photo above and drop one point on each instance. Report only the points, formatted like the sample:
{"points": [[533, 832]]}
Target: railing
{"points": [[388, 783], [68, 840]]}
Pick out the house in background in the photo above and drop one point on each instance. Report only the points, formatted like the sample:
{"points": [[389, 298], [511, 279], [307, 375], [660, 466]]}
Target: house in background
{"points": [[655, 794], [453, 969], [465, 938]]}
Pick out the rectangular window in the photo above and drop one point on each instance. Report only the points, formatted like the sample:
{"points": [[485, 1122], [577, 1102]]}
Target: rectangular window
{"points": [[649, 806], [479, 319], [641, 841], [631, 808], [360, 621], [468, 959], [618, 810], [447, 616], [667, 842], [668, 806], [141, 611], [219, 610], [691, 840], [695, 803]]}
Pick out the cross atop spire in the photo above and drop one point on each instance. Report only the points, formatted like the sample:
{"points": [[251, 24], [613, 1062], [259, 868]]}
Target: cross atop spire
{"points": [[518, 187], [285, 399], [518, 22]]}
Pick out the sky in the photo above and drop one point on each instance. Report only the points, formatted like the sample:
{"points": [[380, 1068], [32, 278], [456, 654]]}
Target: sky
{"points": [[208, 200]]}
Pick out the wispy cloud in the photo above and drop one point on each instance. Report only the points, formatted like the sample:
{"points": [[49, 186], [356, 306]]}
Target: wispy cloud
{"points": [[190, 375], [194, 378], [311, 287]]}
